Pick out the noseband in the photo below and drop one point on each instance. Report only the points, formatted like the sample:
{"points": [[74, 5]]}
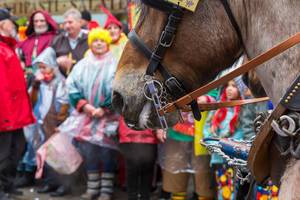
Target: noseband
{"points": [[153, 88]]}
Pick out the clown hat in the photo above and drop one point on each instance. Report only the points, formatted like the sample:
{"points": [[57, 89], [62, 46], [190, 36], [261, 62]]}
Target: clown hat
{"points": [[110, 18]]}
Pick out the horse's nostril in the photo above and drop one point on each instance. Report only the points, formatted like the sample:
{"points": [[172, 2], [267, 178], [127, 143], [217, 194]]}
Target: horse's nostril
{"points": [[117, 102]]}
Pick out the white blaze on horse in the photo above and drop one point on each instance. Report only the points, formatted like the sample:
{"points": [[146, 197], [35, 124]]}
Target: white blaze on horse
{"points": [[208, 41]]}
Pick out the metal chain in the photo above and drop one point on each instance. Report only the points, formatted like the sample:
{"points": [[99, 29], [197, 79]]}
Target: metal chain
{"points": [[238, 164]]}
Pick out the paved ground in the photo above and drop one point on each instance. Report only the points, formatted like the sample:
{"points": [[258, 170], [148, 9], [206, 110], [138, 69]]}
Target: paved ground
{"points": [[31, 194]]}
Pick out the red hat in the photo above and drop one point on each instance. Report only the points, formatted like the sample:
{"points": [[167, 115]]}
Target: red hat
{"points": [[93, 24], [110, 18]]}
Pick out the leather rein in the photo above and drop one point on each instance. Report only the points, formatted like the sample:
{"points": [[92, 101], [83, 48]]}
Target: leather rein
{"points": [[187, 102]]}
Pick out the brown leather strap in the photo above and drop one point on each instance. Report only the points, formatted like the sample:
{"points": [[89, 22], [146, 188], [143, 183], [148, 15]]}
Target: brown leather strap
{"points": [[180, 103], [217, 105]]}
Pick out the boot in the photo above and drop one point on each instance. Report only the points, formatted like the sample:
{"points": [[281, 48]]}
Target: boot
{"points": [[107, 186], [47, 188], [93, 187], [62, 190], [179, 196], [105, 197], [3, 196], [24, 181]]}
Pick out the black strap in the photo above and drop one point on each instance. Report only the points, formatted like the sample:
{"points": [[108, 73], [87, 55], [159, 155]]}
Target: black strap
{"points": [[139, 43], [165, 40], [232, 20], [161, 5]]}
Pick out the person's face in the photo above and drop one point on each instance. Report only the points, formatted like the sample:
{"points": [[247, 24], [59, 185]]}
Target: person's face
{"points": [[72, 26], [46, 71], [8, 28], [115, 32], [84, 23], [232, 91], [99, 47], [39, 23]]}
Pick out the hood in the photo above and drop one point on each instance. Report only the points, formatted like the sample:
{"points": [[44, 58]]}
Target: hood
{"points": [[9, 41], [48, 57], [51, 23]]}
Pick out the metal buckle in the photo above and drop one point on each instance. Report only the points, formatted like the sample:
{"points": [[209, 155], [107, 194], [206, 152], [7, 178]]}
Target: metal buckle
{"points": [[179, 90], [175, 81], [165, 44], [156, 88], [150, 85]]}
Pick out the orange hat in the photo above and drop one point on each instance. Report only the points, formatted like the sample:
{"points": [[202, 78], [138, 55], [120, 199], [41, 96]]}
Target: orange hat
{"points": [[110, 18]]}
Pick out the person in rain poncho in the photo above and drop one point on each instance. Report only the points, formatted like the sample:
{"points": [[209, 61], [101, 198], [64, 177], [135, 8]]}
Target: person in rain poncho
{"points": [[89, 86], [49, 97]]}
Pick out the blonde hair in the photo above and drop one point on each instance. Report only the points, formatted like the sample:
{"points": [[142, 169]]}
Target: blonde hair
{"points": [[100, 34]]}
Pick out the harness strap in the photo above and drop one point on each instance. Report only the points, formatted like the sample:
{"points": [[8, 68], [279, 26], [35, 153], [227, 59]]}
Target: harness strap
{"points": [[252, 64], [217, 105], [166, 40], [136, 40], [233, 21]]}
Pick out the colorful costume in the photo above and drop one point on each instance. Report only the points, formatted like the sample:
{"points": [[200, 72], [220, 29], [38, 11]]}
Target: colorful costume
{"points": [[90, 82], [178, 160], [118, 47]]}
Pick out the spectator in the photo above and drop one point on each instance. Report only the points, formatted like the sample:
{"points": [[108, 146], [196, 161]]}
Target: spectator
{"points": [[224, 123], [40, 32], [50, 107], [71, 45], [87, 22], [179, 163], [140, 151], [119, 39], [89, 86], [86, 18], [15, 107]]}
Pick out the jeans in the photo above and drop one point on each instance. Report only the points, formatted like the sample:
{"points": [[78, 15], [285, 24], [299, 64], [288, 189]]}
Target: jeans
{"points": [[12, 145], [97, 158]]}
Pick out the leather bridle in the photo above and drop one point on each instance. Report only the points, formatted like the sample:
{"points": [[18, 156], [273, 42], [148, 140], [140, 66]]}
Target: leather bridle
{"points": [[174, 87]]}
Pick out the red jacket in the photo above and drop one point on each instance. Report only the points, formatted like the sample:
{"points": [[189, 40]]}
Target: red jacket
{"points": [[127, 135], [15, 107]]}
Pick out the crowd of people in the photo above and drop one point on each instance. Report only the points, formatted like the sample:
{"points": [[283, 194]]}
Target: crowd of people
{"points": [[60, 82]]}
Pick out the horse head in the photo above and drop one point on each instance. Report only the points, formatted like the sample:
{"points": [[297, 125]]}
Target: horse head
{"points": [[205, 43]]}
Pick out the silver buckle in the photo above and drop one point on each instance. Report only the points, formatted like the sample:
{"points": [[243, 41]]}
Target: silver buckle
{"points": [[165, 44]]}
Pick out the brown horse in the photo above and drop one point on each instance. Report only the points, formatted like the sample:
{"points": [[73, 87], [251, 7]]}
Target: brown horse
{"points": [[207, 43]]}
